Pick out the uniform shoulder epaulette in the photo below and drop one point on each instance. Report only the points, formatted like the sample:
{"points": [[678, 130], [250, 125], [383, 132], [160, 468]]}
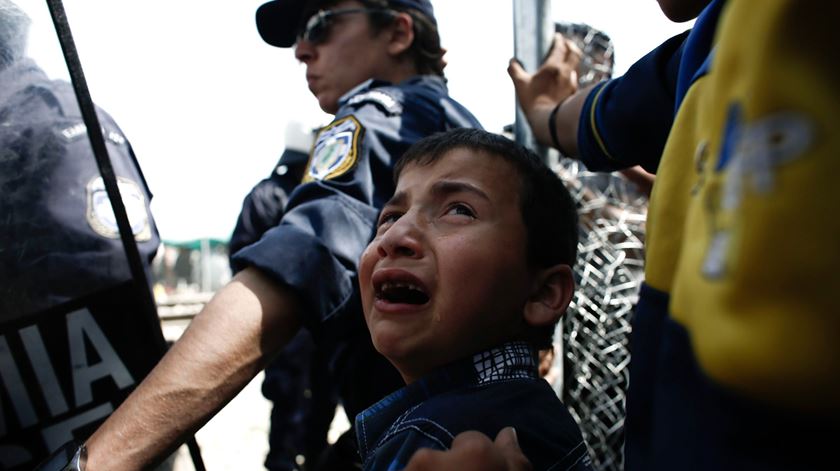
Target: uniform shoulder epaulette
{"points": [[381, 97], [73, 131]]}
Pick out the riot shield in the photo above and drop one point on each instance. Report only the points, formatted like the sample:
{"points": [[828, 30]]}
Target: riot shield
{"points": [[78, 325]]}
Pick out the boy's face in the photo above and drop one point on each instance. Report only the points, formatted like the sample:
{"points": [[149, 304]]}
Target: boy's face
{"points": [[349, 55], [446, 275]]}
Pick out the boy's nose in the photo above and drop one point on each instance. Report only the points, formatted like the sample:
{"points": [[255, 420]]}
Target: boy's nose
{"points": [[403, 239]]}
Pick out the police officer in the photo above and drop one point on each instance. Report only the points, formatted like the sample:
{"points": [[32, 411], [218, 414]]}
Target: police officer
{"points": [[377, 66], [58, 235]]}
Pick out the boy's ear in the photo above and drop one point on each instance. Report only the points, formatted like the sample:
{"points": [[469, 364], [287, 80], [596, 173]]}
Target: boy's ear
{"points": [[402, 34], [550, 295]]}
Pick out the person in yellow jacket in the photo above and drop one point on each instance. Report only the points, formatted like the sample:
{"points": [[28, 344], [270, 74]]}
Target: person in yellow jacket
{"points": [[735, 348]]}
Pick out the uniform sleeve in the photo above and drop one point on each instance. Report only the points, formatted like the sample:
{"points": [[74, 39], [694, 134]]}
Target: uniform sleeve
{"points": [[625, 121], [264, 205], [758, 275], [330, 219]]}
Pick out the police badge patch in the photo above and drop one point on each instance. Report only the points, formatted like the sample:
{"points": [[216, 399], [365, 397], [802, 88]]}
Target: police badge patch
{"points": [[100, 215], [335, 151]]}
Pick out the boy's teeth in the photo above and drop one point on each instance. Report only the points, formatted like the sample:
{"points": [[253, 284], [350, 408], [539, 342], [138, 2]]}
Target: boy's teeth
{"points": [[402, 292], [394, 285]]}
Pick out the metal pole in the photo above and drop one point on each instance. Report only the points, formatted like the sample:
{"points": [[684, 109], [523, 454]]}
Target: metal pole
{"points": [[97, 141], [533, 31]]}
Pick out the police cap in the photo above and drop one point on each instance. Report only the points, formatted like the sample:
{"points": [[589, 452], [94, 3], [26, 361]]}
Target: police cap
{"points": [[278, 20]]}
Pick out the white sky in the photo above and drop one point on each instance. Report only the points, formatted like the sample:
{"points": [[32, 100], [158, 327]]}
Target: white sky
{"points": [[205, 102]]}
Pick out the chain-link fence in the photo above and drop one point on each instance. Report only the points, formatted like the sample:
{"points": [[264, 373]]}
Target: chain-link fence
{"points": [[609, 269], [596, 327]]}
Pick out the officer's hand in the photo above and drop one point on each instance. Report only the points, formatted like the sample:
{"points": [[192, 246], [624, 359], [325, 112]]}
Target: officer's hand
{"points": [[473, 451], [553, 82]]}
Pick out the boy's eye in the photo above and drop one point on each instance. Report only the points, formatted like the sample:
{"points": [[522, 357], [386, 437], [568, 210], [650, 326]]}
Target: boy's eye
{"points": [[388, 218], [460, 209]]}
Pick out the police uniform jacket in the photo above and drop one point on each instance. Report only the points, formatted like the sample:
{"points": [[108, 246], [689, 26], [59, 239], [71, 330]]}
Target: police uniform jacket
{"points": [[58, 234], [264, 205]]}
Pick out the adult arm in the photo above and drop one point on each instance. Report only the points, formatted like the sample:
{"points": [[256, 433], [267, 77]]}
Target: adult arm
{"points": [[555, 82], [225, 346], [611, 125]]}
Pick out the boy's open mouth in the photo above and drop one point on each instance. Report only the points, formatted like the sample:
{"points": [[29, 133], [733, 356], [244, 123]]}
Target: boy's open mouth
{"points": [[399, 292]]}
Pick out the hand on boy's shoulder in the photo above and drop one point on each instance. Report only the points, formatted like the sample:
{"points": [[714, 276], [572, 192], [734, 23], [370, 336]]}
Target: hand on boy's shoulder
{"points": [[473, 451]]}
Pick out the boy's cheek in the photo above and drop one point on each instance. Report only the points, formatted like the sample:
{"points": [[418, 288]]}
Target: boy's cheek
{"points": [[366, 262]]}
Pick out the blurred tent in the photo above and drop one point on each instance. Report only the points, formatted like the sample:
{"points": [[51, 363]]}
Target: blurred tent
{"points": [[191, 267]]}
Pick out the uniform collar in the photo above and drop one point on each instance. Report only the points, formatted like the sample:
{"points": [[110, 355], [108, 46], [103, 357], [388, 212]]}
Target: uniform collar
{"points": [[510, 361]]}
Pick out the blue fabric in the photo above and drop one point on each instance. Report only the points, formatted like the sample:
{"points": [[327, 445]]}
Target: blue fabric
{"points": [[625, 121], [486, 392], [697, 53], [264, 205], [678, 418]]}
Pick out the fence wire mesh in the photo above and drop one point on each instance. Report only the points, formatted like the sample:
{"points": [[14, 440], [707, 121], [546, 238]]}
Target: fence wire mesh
{"points": [[610, 266], [596, 327]]}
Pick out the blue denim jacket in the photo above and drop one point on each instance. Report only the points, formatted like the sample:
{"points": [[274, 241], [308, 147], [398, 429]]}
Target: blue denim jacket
{"points": [[487, 392]]}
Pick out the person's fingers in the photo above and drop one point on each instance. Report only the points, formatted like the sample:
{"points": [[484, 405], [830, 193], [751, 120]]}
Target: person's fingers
{"points": [[471, 442], [426, 459], [473, 451], [469, 451], [517, 72], [559, 49], [573, 53], [506, 438], [508, 444]]}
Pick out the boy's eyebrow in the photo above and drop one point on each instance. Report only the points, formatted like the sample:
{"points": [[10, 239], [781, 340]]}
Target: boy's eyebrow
{"points": [[396, 200], [448, 187], [441, 188]]}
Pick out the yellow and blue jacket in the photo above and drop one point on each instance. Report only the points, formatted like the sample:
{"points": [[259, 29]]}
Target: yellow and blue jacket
{"points": [[735, 351]]}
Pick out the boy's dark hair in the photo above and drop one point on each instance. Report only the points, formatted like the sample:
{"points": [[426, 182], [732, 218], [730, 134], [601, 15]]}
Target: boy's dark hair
{"points": [[425, 50], [548, 210]]}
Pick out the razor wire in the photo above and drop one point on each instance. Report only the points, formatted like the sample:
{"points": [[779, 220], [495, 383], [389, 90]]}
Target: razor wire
{"points": [[609, 269]]}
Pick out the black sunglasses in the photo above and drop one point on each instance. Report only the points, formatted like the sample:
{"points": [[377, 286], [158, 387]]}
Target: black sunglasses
{"points": [[317, 28]]}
